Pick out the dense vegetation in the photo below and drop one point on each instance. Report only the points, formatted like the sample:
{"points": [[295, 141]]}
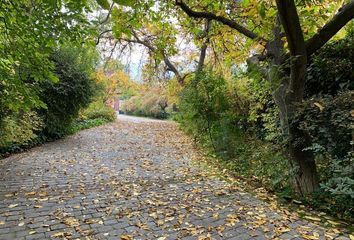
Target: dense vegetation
{"points": [[265, 86]]}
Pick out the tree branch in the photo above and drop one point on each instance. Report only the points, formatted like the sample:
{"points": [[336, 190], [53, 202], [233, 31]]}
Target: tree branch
{"points": [[295, 38], [344, 15], [108, 14], [101, 35], [170, 66], [204, 46], [211, 16]]}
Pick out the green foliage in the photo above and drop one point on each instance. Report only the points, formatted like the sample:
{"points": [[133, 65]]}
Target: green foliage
{"points": [[65, 98], [98, 110], [86, 124], [19, 129], [216, 113], [329, 123], [263, 112], [26, 44], [332, 69], [203, 105]]}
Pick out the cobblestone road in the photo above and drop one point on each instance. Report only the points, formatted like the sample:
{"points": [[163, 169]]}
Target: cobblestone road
{"points": [[132, 179]]}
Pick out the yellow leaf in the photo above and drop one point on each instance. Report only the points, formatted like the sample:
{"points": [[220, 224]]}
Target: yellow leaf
{"points": [[13, 205], [351, 237], [313, 218], [126, 237], [319, 106], [61, 234], [30, 193], [333, 222], [71, 221]]}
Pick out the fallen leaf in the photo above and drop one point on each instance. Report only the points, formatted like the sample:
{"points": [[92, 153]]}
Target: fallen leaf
{"points": [[319, 106], [30, 194], [313, 218], [71, 221], [13, 205], [126, 237]]}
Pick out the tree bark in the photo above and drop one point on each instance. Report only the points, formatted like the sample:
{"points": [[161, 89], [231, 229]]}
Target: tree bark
{"points": [[290, 94]]}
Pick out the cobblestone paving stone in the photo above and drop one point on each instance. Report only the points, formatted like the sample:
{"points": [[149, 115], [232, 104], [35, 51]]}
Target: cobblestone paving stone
{"points": [[132, 179]]}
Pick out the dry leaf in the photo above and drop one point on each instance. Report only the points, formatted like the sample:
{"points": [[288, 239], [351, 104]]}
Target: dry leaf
{"points": [[126, 237], [71, 221], [30, 193], [313, 218], [319, 106]]}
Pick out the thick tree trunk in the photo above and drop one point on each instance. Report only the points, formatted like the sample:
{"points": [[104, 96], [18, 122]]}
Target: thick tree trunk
{"points": [[290, 93], [302, 162]]}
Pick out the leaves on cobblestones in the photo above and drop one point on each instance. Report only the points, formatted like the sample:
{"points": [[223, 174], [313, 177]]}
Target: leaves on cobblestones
{"points": [[64, 235], [144, 181]]}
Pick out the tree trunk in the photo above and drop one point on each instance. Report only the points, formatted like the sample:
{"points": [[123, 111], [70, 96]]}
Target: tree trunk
{"points": [[290, 93], [301, 161]]}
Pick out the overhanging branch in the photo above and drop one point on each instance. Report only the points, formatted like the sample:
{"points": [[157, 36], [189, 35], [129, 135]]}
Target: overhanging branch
{"points": [[211, 16], [344, 15]]}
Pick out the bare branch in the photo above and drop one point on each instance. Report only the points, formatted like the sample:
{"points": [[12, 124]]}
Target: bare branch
{"points": [[108, 14], [101, 35], [170, 66]]}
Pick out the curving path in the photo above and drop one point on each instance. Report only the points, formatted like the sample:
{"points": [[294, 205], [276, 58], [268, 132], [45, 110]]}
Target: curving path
{"points": [[132, 179]]}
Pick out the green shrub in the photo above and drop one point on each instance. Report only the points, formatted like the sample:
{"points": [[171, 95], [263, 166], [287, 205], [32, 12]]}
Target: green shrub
{"points": [[329, 123], [19, 129], [204, 109], [332, 69], [216, 113], [98, 110], [87, 123], [72, 92]]}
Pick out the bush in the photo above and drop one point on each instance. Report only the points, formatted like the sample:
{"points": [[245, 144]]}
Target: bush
{"points": [[216, 113], [72, 92], [204, 109], [87, 123], [98, 110], [332, 69], [329, 123], [19, 129]]}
